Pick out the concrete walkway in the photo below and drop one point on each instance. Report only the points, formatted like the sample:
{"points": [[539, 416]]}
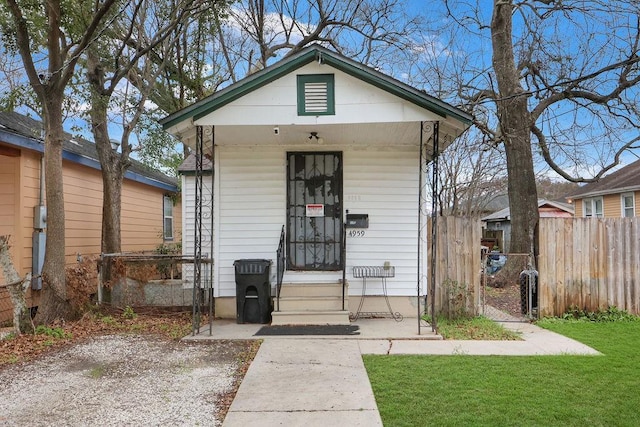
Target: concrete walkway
{"points": [[536, 341], [321, 380], [305, 382]]}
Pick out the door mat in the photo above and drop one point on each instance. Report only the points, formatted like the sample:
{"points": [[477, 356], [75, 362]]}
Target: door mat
{"points": [[308, 330]]}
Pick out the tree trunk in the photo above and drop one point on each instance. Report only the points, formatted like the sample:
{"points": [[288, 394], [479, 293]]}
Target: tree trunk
{"points": [[515, 126], [111, 195], [17, 288], [113, 167], [60, 52], [112, 178], [53, 300]]}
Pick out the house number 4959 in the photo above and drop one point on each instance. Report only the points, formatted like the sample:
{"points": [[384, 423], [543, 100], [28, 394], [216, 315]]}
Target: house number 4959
{"points": [[356, 233]]}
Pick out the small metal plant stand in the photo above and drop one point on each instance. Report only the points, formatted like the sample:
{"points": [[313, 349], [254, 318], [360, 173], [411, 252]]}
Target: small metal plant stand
{"points": [[374, 272]]}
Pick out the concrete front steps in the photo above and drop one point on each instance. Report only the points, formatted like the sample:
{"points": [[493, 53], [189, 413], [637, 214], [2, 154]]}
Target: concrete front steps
{"points": [[311, 304]]}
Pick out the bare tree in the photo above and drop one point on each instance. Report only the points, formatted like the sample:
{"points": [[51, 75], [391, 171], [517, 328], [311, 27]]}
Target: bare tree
{"points": [[369, 30], [221, 48], [471, 175], [513, 115], [53, 34], [557, 190], [546, 80]]}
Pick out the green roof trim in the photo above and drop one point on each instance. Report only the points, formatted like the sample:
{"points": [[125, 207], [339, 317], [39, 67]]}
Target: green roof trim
{"points": [[313, 53], [397, 88]]}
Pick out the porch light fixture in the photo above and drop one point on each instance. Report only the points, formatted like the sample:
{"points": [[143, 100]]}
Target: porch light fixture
{"points": [[318, 140]]}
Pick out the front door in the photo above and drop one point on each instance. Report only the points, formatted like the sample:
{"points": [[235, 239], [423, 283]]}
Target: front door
{"points": [[314, 211]]}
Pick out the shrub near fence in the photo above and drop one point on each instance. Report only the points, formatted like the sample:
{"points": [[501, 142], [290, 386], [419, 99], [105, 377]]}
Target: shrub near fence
{"points": [[589, 263]]}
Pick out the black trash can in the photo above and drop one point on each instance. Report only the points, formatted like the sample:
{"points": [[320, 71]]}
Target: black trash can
{"points": [[253, 290]]}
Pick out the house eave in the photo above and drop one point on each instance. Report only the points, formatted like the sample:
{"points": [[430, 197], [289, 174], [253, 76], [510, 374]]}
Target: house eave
{"points": [[397, 88], [500, 219], [620, 190], [315, 53], [21, 141], [37, 146], [505, 214]]}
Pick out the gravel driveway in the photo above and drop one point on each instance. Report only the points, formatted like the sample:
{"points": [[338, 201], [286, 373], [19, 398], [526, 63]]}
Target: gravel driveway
{"points": [[121, 380]]}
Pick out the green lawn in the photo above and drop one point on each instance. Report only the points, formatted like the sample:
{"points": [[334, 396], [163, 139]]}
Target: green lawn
{"points": [[475, 328], [516, 391]]}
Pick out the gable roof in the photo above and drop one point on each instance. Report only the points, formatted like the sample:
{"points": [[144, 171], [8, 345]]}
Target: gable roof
{"points": [[620, 181], [26, 132], [305, 56], [505, 214]]}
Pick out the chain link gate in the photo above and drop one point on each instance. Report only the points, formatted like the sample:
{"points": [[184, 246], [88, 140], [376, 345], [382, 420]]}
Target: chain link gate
{"points": [[511, 298]]}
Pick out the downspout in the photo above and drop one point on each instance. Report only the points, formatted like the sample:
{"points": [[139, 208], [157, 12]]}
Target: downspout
{"points": [[41, 196], [419, 272], [211, 265], [39, 237]]}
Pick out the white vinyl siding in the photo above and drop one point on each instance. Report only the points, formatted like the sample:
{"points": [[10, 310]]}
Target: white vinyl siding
{"points": [[384, 185], [188, 222], [354, 102], [251, 205]]}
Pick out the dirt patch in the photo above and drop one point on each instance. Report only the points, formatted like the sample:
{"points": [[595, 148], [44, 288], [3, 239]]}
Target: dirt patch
{"points": [[125, 380], [506, 299], [117, 367]]}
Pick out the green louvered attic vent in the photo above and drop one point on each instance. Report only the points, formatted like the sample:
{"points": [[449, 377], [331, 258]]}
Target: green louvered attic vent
{"points": [[316, 95]]}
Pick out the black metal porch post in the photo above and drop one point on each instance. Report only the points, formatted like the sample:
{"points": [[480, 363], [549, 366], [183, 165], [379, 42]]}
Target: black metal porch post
{"points": [[434, 222], [197, 237]]}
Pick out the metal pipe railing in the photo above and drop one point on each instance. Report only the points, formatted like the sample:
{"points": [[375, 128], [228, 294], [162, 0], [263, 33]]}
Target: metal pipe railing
{"points": [[280, 265], [343, 261]]}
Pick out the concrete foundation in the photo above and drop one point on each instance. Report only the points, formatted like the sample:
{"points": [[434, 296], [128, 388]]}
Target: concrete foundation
{"points": [[174, 293]]}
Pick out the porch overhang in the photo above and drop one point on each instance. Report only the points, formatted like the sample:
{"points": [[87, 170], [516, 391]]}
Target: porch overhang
{"points": [[381, 134]]}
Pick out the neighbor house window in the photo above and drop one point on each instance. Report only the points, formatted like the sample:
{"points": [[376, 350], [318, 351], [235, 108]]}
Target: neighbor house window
{"points": [[316, 96], [628, 205], [167, 209], [593, 207]]}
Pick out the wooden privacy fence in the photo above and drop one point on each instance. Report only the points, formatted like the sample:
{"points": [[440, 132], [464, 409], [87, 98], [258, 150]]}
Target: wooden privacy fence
{"points": [[458, 263], [589, 263]]}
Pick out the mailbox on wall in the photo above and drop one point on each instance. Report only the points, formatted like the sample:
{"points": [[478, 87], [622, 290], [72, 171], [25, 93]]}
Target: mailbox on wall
{"points": [[357, 221]]}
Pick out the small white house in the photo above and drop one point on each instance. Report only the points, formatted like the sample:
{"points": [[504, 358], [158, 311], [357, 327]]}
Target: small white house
{"points": [[306, 145]]}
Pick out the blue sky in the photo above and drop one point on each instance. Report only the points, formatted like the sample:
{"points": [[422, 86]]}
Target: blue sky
{"points": [[473, 47]]}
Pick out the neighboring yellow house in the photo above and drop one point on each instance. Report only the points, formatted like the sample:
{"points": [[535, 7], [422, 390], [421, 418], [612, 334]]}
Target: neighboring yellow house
{"points": [[614, 196], [151, 210]]}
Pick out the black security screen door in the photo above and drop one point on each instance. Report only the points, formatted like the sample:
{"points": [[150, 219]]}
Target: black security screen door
{"points": [[314, 210]]}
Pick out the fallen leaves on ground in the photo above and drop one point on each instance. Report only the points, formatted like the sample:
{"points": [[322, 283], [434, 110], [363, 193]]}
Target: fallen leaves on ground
{"points": [[245, 358], [506, 299], [169, 325], [60, 334]]}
